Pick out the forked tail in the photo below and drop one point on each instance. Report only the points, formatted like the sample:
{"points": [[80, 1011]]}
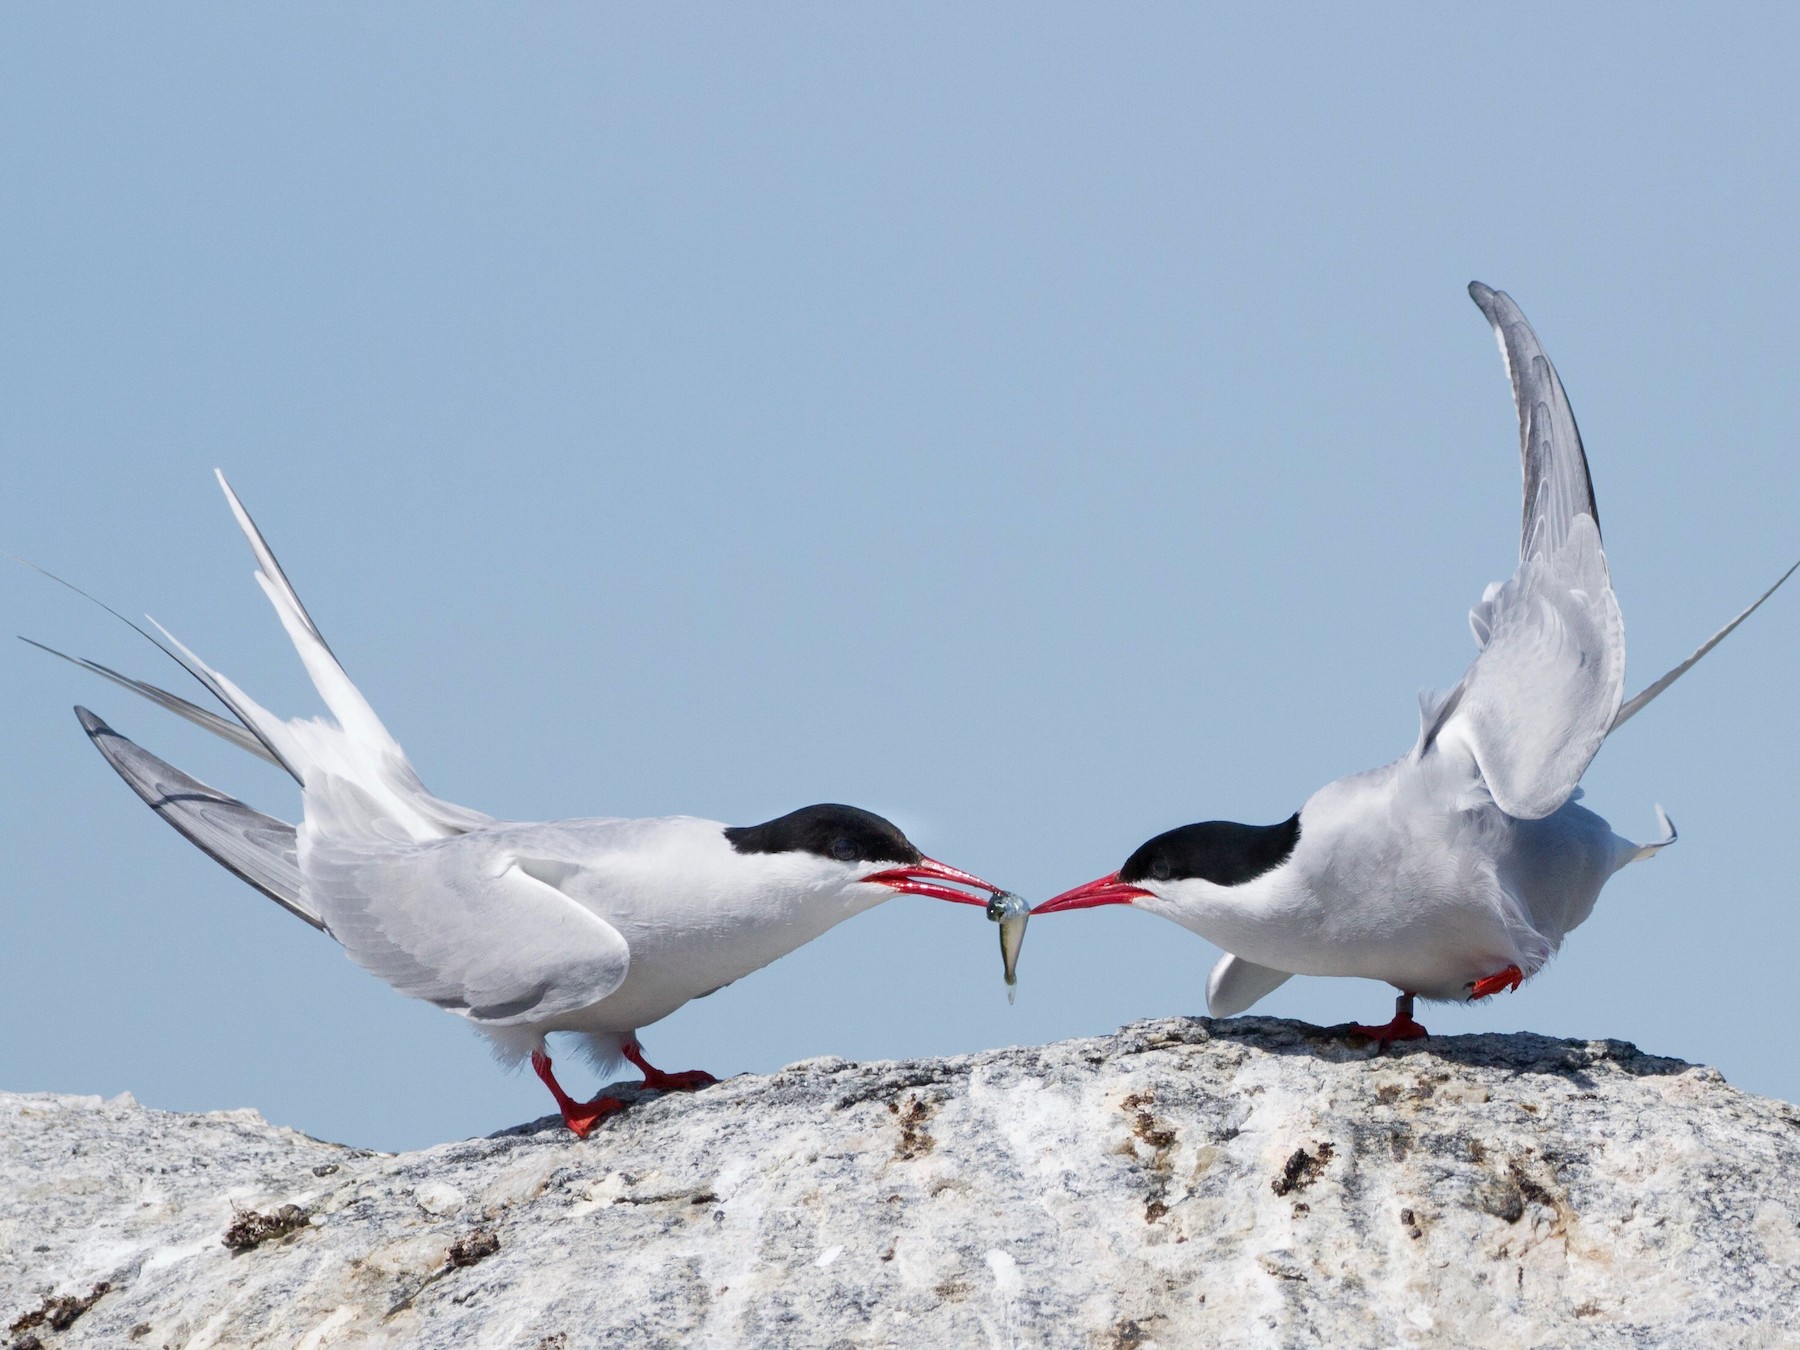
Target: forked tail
{"points": [[356, 778]]}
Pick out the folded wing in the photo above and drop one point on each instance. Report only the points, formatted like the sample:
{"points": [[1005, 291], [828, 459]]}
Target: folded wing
{"points": [[466, 922]]}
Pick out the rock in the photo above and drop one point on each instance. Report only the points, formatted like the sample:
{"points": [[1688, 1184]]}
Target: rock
{"points": [[1185, 1182]]}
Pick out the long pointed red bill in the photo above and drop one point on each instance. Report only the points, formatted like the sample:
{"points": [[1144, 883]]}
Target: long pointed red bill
{"points": [[927, 877], [1106, 890]]}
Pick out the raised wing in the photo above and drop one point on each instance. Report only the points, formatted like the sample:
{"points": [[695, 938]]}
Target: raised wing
{"points": [[466, 923], [1537, 702]]}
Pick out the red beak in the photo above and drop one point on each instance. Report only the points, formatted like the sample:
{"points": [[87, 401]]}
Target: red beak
{"points": [[1106, 890], [929, 877]]}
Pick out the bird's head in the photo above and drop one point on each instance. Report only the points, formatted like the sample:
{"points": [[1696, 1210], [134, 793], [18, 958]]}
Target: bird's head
{"points": [[852, 847], [1180, 862]]}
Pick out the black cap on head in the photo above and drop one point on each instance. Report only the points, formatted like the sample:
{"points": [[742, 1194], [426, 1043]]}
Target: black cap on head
{"points": [[842, 833], [1220, 851]]}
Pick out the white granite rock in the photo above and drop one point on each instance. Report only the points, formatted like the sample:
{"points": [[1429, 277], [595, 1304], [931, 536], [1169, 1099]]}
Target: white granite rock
{"points": [[1185, 1182]]}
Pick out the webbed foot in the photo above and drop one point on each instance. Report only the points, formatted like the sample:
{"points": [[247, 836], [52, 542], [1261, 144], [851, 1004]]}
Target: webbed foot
{"points": [[1510, 978], [688, 1080], [1402, 1028]]}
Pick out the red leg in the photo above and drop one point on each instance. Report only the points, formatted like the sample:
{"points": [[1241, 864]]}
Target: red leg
{"points": [[1402, 1028], [1510, 978], [659, 1081], [578, 1116]]}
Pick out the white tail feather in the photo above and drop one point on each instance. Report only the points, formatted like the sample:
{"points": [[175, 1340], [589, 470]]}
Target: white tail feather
{"points": [[1636, 704], [356, 751]]}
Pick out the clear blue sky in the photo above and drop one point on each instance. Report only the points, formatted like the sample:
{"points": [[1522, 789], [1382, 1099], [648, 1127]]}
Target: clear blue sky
{"points": [[1044, 425]]}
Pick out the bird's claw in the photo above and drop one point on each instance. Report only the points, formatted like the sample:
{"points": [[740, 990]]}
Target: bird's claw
{"points": [[1510, 978]]}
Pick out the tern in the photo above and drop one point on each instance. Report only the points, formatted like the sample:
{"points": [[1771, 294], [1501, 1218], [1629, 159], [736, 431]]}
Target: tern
{"points": [[595, 927], [1457, 870]]}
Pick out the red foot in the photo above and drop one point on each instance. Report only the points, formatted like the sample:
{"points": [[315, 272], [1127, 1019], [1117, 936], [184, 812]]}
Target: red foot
{"points": [[1402, 1028], [1510, 978], [578, 1116], [658, 1081]]}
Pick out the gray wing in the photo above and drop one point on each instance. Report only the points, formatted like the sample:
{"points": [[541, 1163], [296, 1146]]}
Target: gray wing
{"points": [[1235, 984], [466, 923], [1538, 701], [256, 848]]}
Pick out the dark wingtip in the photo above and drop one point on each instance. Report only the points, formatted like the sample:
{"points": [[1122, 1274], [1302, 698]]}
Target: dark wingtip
{"points": [[1485, 297], [92, 724]]}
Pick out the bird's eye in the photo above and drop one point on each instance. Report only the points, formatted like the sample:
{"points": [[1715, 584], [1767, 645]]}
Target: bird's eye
{"points": [[1160, 870], [843, 850]]}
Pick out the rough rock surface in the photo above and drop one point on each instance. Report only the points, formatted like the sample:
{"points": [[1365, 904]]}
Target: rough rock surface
{"points": [[1184, 1182]]}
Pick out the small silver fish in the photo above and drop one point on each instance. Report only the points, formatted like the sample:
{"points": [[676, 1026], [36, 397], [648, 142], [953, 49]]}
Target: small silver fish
{"points": [[1012, 913]]}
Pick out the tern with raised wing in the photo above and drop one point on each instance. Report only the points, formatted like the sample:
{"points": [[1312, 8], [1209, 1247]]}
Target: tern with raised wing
{"points": [[593, 927], [1457, 870]]}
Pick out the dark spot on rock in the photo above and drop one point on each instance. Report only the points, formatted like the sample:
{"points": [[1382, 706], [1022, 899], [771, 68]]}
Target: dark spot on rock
{"points": [[477, 1246], [58, 1312], [251, 1229], [1588, 1309], [952, 1289], [1388, 1093], [1148, 1130], [325, 1169], [1528, 1188], [1301, 1170], [1161, 1139], [1500, 1197], [915, 1140], [1128, 1333], [141, 1330], [1301, 1207], [1410, 1222]]}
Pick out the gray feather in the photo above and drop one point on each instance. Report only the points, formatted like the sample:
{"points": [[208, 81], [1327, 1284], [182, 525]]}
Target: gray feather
{"points": [[258, 849], [221, 727], [1636, 704], [1557, 484]]}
